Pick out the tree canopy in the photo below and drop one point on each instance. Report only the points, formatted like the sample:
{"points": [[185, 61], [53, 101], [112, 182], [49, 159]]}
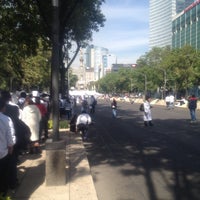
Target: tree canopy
{"points": [[26, 25], [160, 70]]}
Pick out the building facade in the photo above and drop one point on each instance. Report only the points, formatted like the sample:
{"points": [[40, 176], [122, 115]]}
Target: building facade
{"points": [[95, 62], [161, 15], [186, 27]]}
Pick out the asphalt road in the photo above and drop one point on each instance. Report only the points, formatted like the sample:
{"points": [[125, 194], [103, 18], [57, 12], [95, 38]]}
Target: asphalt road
{"points": [[132, 162]]}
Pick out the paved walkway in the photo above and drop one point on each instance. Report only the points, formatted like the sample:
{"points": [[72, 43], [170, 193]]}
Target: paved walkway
{"points": [[79, 183]]}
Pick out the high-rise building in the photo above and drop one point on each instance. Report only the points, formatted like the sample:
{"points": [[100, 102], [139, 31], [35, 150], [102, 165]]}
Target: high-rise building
{"points": [[186, 27], [161, 15], [94, 59]]}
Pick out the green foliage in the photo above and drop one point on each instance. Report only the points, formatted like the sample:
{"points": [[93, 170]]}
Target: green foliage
{"points": [[73, 78], [4, 198], [25, 27], [62, 124], [177, 69]]}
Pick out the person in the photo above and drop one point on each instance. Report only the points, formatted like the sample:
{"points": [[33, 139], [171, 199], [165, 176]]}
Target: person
{"points": [[167, 101], [114, 108], [12, 110], [31, 117], [7, 141], [192, 105], [84, 105], [183, 101], [21, 99], [147, 112], [92, 104], [82, 123], [44, 118], [68, 108], [171, 101], [73, 123]]}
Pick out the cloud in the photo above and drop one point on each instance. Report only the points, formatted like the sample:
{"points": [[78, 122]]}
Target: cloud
{"points": [[139, 14], [126, 29]]}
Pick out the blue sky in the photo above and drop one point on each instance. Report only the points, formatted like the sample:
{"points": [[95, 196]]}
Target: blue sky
{"points": [[126, 29]]}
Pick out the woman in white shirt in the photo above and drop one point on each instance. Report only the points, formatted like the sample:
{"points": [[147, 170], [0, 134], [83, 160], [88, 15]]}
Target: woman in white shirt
{"points": [[147, 112], [31, 117]]}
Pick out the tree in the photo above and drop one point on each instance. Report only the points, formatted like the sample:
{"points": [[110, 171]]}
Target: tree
{"points": [[73, 78], [185, 67], [58, 25], [24, 23]]}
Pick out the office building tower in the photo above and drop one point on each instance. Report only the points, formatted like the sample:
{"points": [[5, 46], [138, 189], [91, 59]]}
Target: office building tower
{"points": [[186, 27], [161, 15]]}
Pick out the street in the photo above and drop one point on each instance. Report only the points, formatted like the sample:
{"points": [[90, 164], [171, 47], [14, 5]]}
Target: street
{"points": [[131, 162]]}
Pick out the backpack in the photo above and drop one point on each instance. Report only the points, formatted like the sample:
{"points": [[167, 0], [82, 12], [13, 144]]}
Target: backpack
{"points": [[141, 107]]}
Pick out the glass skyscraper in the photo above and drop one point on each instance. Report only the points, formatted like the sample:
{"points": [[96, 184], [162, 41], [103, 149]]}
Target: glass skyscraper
{"points": [[186, 27], [161, 15]]}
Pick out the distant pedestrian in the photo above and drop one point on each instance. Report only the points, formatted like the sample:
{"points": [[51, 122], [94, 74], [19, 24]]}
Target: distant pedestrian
{"points": [[171, 101], [92, 104], [84, 105], [147, 112], [167, 101], [192, 105], [114, 108]]}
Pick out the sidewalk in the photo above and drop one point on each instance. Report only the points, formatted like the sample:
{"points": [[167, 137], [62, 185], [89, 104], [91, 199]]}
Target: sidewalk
{"points": [[79, 183]]}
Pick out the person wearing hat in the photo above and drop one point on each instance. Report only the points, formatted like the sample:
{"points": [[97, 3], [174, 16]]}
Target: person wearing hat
{"points": [[147, 112]]}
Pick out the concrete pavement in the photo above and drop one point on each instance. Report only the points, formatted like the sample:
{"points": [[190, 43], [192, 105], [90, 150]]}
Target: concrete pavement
{"points": [[79, 183]]}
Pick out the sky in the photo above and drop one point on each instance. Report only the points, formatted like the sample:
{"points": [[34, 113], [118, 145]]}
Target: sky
{"points": [[125, 32]]}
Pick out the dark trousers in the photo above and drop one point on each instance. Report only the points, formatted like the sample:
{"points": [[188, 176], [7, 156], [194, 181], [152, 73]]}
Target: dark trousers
{"points": [[12, 176], [4, 170], [43, 127]]}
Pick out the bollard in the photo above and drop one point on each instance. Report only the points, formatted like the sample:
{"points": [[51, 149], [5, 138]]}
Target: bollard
{"points": [[55, 163]]}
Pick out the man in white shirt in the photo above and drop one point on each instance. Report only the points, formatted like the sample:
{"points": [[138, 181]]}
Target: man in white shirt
{"points": [[7, 141], [171, 101], [82, 123]]}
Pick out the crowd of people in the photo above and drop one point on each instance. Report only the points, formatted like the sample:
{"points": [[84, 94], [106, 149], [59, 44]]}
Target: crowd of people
{"points": [[23, 126]]}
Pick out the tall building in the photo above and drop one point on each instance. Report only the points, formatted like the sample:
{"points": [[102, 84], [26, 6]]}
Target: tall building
{"points": [[186, 27], [95, 62], [94, 58], [161, 15]]}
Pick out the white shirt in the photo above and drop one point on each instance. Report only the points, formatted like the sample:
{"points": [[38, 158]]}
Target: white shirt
{"points": [[7, 134], [171, 99], [83, 118], [167, 99]]}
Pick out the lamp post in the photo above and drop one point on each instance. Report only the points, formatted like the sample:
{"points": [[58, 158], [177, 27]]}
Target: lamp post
{"points": [[55, 70]]}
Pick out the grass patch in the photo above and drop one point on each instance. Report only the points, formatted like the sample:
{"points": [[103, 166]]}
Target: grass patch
{"points": [[62, 124]]}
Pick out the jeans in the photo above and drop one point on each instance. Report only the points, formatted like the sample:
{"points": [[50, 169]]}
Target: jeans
{"points": [[114, 112], [193, 114]]}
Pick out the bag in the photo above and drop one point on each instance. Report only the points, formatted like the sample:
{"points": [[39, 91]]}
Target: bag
{"points": [[141, 107]]}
